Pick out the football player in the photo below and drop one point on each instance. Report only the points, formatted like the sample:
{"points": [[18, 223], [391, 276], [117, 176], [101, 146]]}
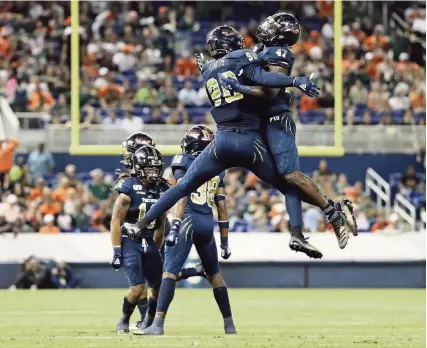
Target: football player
{"points": [[194, 224], [238, 141], [277, 33], [130, 146]]}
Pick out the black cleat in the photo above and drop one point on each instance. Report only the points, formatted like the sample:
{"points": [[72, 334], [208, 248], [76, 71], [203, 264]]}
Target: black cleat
{"points": [[347, 208], [341, 229], [302, 245]]}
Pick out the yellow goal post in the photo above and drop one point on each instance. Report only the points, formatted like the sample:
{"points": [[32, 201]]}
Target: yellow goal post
{"points": [[80, 149]]}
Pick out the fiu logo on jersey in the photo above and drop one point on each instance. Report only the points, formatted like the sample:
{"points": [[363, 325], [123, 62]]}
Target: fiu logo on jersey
{"points": [[274, 118]]}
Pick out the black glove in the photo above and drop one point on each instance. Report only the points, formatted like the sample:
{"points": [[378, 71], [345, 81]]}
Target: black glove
{"points": [[226, 252], [200, 60], [116, 261], [305, 85], [172, 238]]}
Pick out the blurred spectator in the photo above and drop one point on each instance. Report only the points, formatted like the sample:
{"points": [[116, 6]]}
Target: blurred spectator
{"points": [[62, 277], [61, 192], [400, 100], [81, 220], [21, 226], [125, 59], [380, 224], [70, 174], [146, 94], [49, 225], [156, 117], [100, 190], [312, 218], [186, 66], [188, 95], [41, 100], [40, 162], [34, 274], [409, 181], [49, 205], [4, 225], [7, 149], [131, 123], [323, 170], [10, 208], [358, 94]]}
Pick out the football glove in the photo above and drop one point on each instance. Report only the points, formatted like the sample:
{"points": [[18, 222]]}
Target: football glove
{"points": [[225, 252], [172, 238], [116, 261], [131, 230], [305, 85], [229, 83], [200, 60], [258, 47]]}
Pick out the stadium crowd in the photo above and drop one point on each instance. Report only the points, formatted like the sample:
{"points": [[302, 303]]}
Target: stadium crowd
{"points": [[137, 63], [36, 198]]}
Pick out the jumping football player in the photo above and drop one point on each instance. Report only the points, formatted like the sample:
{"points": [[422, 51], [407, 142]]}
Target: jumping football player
{"points": [[130, 146], [238, 141], [194, 224], [277, 33]]}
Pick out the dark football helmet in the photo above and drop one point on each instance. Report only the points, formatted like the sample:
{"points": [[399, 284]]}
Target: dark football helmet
{"points": [[148, 164], [224, 39], [280, 29], [196, 139], [131, 144]]}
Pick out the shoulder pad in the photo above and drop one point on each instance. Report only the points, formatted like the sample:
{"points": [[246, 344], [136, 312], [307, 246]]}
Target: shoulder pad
{"points": [[277, 54], [124, 184], [247, 56], [182, 161]]}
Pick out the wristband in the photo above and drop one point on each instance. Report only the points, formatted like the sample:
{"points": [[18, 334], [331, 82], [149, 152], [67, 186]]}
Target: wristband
{"points": [[219, 198], [224, 224], [224, 240], [117, 250]]}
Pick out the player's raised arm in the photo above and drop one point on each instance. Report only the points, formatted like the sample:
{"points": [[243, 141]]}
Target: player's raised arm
{"points": [[264, 78], [223, 222], [120, 210]]}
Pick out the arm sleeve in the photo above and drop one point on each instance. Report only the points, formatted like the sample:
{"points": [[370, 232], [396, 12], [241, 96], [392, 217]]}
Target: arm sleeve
{"points": [[259, 76]]}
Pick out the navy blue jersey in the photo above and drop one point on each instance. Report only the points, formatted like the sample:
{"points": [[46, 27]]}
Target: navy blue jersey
{"points": [[142, 199], [230, 108], [278, 56], [202, 200]]}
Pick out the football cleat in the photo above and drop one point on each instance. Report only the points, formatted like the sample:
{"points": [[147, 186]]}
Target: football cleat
{"points": [[302, 245], [341, 229], [347, 208], [229, 327], [152, 330], [122, 328]]}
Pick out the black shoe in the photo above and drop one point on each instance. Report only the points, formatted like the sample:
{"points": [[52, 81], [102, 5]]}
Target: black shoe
{"points": [[341, 229], [347, 208], [302, 245]]}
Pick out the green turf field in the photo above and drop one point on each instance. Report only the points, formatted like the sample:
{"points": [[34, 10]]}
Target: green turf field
{"points": [[264, 318]]}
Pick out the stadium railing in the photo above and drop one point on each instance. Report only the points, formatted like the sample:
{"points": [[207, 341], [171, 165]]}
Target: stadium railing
{"points": [[374, 183], [406, 210]]}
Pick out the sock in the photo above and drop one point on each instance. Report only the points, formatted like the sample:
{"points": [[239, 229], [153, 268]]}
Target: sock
{"points": [[188, 272], [330, 211], [128, 308], [166, 294], [297, 231], [221, 298], [151, 310], [294, 209], [142, 306]]}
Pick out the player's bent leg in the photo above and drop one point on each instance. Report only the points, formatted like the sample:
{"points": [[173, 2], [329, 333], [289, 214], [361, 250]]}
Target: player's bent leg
{"points": [[189, 272], [313, 195], [130, 301], [222, 299], [205, 167], [132, 265], [175, 258]]}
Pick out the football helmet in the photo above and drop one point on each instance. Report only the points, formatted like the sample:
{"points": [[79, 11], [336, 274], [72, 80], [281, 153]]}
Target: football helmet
{"points": [[222, 40], [148, 165], [280, 29], [196, 139], [131, 144]]}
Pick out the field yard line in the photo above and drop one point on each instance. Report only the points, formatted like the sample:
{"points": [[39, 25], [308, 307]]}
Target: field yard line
{"points": [[29, 312]]}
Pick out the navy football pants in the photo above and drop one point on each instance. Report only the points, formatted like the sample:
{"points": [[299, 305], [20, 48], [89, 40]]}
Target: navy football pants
{"points": [[231, 148]]}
